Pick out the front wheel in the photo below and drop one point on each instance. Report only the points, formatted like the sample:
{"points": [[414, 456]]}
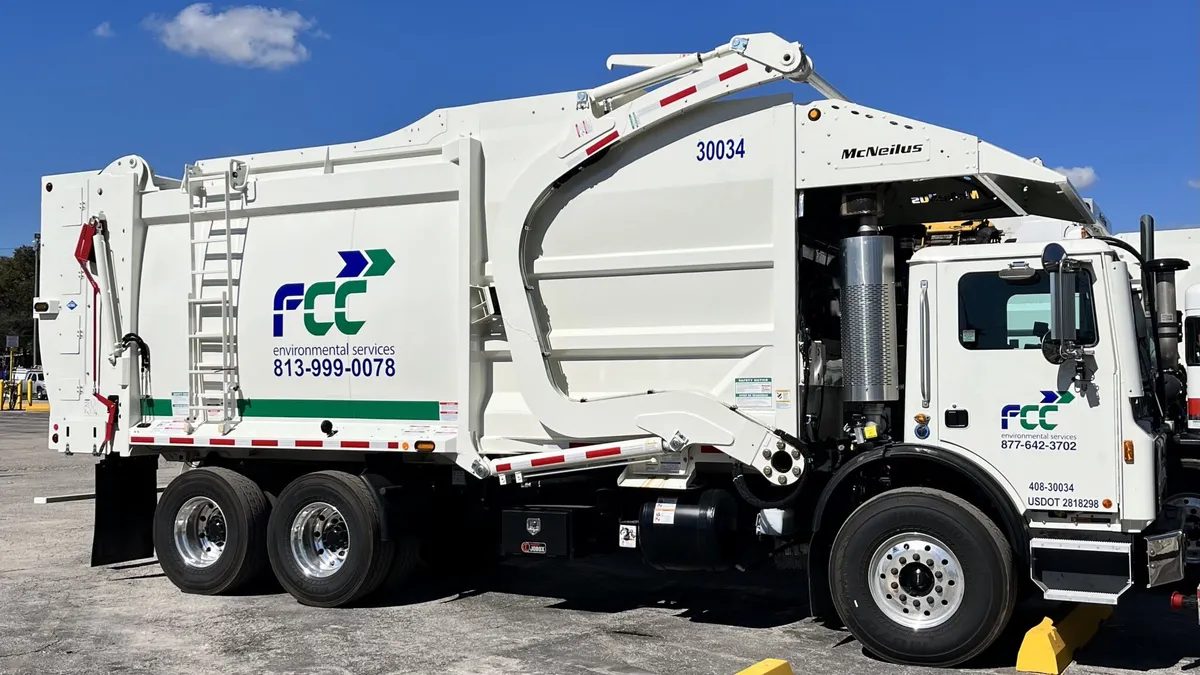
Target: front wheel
{"points": [[921, 576]]}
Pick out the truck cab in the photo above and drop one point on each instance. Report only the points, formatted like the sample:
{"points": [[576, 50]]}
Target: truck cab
{"points": [[1034, 374]]}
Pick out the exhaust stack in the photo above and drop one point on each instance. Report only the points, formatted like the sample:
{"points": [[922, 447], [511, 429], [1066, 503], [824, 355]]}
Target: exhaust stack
{"points": [[1147, 228], [1159, 278]]}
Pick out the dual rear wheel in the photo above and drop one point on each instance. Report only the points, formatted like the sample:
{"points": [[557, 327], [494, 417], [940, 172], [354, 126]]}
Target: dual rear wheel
{"points": [[323, 538]]}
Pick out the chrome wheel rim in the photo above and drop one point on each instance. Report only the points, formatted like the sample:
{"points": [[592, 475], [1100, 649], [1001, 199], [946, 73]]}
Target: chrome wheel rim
{"points": [[1190, 504], [916, 580], [200, 532], [320, 540]]}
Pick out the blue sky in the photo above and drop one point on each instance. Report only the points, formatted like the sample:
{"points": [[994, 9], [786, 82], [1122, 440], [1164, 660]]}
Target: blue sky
{"points": [[1107, 87]]}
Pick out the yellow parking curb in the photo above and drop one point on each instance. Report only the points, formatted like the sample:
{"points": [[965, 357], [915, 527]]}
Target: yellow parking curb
{"points": [[768, 667], [1049, 647]]}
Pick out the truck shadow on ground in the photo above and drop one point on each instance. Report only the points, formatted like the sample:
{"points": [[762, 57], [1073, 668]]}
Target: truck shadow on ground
{"points": [[1140, 636], [724, 599]]}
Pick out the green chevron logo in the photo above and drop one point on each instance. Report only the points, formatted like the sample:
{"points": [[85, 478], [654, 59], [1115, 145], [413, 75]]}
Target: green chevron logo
{"points": [[1035, 416], [357, 267]]}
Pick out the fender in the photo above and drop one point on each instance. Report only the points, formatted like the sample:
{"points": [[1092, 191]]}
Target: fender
{"points": [[1012, 522]]}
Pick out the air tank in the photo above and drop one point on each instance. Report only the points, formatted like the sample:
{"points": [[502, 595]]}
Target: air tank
{"points": [[868, 307]]}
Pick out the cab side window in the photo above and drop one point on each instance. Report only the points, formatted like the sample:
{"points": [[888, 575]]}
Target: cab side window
{"points": [[1191, 340], [995, 313]]}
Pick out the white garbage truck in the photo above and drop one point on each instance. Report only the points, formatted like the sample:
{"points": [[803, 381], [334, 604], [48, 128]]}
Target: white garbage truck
{"points": [[627, 320]]}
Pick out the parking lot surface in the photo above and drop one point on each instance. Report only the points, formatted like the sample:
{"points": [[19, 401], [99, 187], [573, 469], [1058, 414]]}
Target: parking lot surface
{"points": [[62, 616]]}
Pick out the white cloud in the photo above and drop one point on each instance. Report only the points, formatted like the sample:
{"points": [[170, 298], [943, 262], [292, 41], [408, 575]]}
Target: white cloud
{"points": [[1080, 176], [104, 30], [250, 36], [1194, 183]]}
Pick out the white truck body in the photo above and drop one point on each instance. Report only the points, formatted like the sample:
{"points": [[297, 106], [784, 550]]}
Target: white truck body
{"points": [[670, 271], [1038, 228], [622, 277], [1183, 242]]}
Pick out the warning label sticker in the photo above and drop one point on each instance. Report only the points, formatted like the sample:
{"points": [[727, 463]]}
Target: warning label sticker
{"points": [[753, 393], [627, 536], [783, 399], [448, 411], [664, 511], [179, 404], [169, 426]]}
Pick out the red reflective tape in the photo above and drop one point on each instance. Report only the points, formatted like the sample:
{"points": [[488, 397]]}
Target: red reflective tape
{"points": [[603, 452], [595, 147], [181, 441], [501, 468], [709, 450], [310, 444], [263, 443], [1194, 408], [543, 461], [393, 445], [737, 70], [223, 441], [683, 93], [356, 444], [141, 439]]}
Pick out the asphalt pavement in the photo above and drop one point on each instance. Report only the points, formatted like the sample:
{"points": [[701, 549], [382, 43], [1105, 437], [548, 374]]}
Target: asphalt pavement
{"points": [[62, 616]]}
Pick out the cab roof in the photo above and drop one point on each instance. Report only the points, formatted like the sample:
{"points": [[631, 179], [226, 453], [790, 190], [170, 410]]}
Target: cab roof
{"points": [[937, 254]]}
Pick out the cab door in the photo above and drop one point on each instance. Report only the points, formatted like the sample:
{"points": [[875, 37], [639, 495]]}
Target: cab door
{"points": [[1053, 439]]}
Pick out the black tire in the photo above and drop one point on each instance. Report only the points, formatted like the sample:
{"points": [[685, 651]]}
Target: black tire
{"points": [[368, 558], [405, 564], [988, 582], [245, 514]]}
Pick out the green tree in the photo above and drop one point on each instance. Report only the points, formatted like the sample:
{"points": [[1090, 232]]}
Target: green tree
{"points": [[16, 299]]}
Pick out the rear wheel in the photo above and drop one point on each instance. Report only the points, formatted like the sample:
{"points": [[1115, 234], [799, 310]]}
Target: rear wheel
{"points": [[921, 576], [325, 540], [210, 531]]}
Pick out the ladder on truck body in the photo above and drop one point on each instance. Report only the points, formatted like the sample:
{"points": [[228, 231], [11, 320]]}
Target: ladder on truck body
{"points": [[205, 377]]}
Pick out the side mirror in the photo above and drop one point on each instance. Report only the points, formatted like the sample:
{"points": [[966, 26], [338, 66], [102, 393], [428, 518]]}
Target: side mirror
{"points": [[1060, 343]]}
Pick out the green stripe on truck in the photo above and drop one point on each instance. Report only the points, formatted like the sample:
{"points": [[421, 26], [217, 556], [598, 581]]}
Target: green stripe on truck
{"points": [[340, 409]]}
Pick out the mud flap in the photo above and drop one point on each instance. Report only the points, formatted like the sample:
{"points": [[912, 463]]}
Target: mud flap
{"points": [[820, 601], [126, 496]]}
